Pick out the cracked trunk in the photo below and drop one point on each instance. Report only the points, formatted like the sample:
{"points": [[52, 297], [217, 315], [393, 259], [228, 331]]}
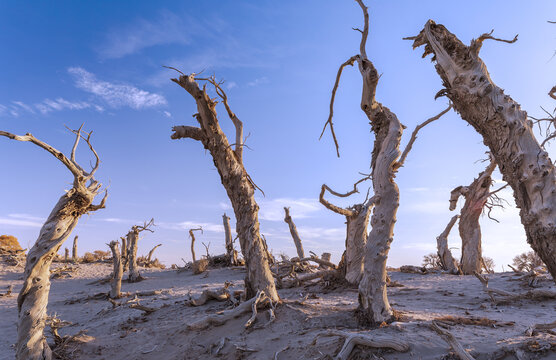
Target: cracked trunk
{"points": [[356, 239], [116, 281], [132, 240], [446, 259], [505, 130]]}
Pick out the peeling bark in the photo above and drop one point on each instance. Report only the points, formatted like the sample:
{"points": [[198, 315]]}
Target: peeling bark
{"points": [[74, 256], [116, 281], [446, 259], [476, 196], [33, 297], [357, 220], [505, 130], [235, 179], [231, 254], [293, 231]]}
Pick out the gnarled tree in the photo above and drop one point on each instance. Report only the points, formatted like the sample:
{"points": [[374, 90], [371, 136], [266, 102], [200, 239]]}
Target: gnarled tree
{"points": [[386, 159], [132, 242], [357, 220], [505, 129], [33, 297], [293, 231], [235, 179], [447, 261]]}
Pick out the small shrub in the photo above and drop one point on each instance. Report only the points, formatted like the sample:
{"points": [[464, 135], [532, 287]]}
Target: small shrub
{"points": [[200, 266], [488, 264], [432, 261], [89, 258], [101, 255], [527, 261], [9, 242]]}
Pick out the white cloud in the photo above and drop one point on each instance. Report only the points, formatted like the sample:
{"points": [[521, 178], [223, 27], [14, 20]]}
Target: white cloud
{"points": [[167, 28], [231, 85], [22, 220], [258, 81], [167, 114], [116, 95], [186, 225], [59, 104], [24, 106], [273, 210], [224, 206]]}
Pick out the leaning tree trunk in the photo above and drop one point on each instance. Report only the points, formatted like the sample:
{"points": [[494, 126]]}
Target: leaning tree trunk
{"points": [[149, 257], [235, 179], [357, 221], [446, 259], [293, 231], [231, 254], [33, 297], [116, 281], [524, 164], [74, 257], [476, 196], [132, 240]]}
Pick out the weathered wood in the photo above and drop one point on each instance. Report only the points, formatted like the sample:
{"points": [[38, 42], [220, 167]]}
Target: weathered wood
{"points": [[369, 340], [66, 255], [74, 257], [132, 242], [125, 261], [452, 341], [32, 300], [116, 281], [231, 253], [505, 129], [446, 259], [235, 179], [293, 231], [149, 257]]}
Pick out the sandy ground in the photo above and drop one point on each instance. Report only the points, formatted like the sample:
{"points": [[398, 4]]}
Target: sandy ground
{"points": [[125, 333]]}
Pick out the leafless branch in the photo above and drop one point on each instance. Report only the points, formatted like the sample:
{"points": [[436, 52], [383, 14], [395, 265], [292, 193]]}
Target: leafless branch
{"points": [[476, 44]]}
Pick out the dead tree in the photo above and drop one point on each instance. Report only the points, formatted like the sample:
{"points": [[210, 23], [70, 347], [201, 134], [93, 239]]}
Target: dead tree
{"points": [[132, 241], [66, 255], [33, 297], [476, 196], [116, 281], [234, 177], [231, 253], [385, 161], [151, 253], [124, 253], [505, 129], [74, 257], [357, 220], [293, 231], [446, 259], [192, 236]]}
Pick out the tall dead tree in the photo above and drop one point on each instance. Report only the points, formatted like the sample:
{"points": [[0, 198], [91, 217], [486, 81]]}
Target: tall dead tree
{"points": [[32, 300], [231, 253], [446, 259], [234, 177], [505, 129], [74, 257], [116, 281], [132, 241], [385, 161], [293, 231], [192, 236], [357, 220], [476, 196], [124, 253]]}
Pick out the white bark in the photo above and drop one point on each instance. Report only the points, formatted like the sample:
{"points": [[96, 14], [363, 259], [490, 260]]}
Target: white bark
{"points": [[33, 297], [448, 262], [231, 254], [116, 281]]}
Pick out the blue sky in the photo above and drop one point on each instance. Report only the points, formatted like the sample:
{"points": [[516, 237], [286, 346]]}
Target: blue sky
{"points": [[101, 63]]}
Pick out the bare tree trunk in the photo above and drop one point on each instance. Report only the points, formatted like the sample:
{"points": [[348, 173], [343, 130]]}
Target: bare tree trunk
{"points": [[293, 231], [234, 177], [476, 196], [446, 259], [74, 257], [116, 282], [125, 261], [133, 244], [66, 255], [357, 220], [192, 236], [230, 252], [151, 253], [32, 300], [524, 164]]}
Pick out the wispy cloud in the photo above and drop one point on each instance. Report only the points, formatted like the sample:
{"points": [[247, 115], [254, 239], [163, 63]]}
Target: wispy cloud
{"points": [[115, 95], [258, 81], [166, 28], [273, 210], [22, 220], [46, 106], [186, 225]]}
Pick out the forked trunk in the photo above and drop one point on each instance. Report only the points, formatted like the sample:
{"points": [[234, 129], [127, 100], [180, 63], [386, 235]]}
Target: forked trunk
{"points": [[74, 257], [116, 282], [33, 297], [231, 254], [446, 259], [293, 231], [524, 164], [236, 181]]}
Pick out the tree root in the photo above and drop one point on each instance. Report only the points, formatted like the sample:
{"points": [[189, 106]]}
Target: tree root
{"points": [[352, 339], [207, 295], [452, 341], [505, 297], [477, 321], [226, 315], [534, 328]]}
